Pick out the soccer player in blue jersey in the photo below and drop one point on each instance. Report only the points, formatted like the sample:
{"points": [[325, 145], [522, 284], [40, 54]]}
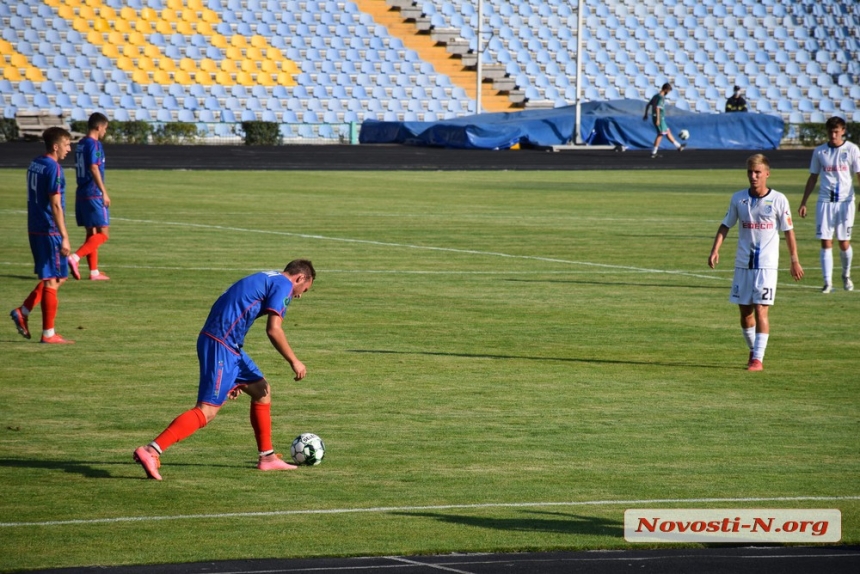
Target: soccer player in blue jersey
{"points": [[226, 371], [49, 239], [92, 205]]}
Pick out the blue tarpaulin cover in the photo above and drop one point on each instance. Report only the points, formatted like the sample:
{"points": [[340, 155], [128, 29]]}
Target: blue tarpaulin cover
{"points": [[617, 122]]}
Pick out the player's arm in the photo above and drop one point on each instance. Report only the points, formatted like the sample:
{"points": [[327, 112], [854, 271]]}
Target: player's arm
{"points": [[810, 185], [60, 220], [791, 243], [647, 107], [714, 258], [275, 332], [97, 177]]}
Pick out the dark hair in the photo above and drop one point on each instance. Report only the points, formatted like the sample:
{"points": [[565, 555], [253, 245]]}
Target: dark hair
{"points": [[96, 120], [834, 122], [301, 266], [54, 135], [666, 86]]}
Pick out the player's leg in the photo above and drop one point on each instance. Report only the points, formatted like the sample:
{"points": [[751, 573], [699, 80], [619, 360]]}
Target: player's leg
{"points": [[21, 314], [824, 232], [846, 254], [764, 294], [843, 234], [742, 296], [826, 258], [100, 237], [678, 146], [261, 414], [657, 141], [218, 368], [761, 337], [96, 237], [748, 327], [53, 272]]}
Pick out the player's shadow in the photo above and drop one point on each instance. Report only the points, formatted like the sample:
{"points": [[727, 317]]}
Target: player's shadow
{"points": [[535, 521], [80, 468], [89, 469], [528, 358]]}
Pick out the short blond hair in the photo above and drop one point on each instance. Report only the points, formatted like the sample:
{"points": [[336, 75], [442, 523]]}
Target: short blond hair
{"points": [[758, 159]]}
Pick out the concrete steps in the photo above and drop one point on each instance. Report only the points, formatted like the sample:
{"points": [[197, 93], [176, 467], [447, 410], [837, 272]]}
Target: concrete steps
{"points": [[430, 50]]}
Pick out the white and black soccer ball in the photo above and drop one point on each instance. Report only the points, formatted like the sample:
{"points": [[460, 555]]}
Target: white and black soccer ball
{"points": [[307, 449], [684, 134]]}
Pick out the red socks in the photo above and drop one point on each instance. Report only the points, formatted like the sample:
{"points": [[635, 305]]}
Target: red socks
{"points": [[261, 421], [181, 428], [35, 297], [90, 249], [49, 307], [91, 245], [193, 420]]}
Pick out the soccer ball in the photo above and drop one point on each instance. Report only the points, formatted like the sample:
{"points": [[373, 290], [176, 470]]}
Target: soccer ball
{"points": [[684, 134], [307, 449]]}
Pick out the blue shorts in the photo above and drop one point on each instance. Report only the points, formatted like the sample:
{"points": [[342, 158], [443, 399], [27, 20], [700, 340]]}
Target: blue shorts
{"points": [[221, 370], [49, 262], [92, 213]]}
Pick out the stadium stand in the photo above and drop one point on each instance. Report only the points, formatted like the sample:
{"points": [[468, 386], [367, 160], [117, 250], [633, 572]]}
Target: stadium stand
{"points": [[332, 62]]}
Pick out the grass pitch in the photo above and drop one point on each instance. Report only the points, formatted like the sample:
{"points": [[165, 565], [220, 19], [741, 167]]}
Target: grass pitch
{"points": [[497, 361]]}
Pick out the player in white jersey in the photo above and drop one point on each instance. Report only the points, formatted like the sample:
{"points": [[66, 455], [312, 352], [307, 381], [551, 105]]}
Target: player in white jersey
{"points": [[762, 213], [836, 161]]}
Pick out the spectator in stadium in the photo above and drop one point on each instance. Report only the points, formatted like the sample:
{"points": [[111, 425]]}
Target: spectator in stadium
{"points": [[839, 161], [92, 205], [657, 105], [736, 102], [49, 238], [763, 213], [226, 371]]}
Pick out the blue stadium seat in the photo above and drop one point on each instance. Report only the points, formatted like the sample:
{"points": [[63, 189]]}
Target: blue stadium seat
{"points": [[227, 116]]}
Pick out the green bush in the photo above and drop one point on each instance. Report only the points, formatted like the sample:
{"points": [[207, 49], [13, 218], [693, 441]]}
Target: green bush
{"points": [[262, 133], [811, 135], [8, 130], [119, 132], [137, 132], [79, 126], [175, 133]]}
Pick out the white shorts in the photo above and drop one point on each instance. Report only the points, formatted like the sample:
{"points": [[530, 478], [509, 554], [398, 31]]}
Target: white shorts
{"points": [[753, 286], [834, 217]]}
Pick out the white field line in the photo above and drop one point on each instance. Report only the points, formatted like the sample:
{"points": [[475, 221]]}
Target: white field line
{"points": [[386, 509], [590, 264], [410, 246]]}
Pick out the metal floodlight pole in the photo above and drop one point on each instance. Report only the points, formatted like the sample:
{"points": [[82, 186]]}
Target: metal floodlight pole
{"points": [[480, 52], [577, 137]]}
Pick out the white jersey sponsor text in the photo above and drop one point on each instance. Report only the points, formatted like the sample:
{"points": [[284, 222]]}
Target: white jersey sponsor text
{"points": [[761, 219], [836, 166]]}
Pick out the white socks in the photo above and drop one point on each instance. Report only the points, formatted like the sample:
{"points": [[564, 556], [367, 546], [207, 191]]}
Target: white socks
{"points": [[846, 257], [827, 266], [749, 337], [760, 346]]}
